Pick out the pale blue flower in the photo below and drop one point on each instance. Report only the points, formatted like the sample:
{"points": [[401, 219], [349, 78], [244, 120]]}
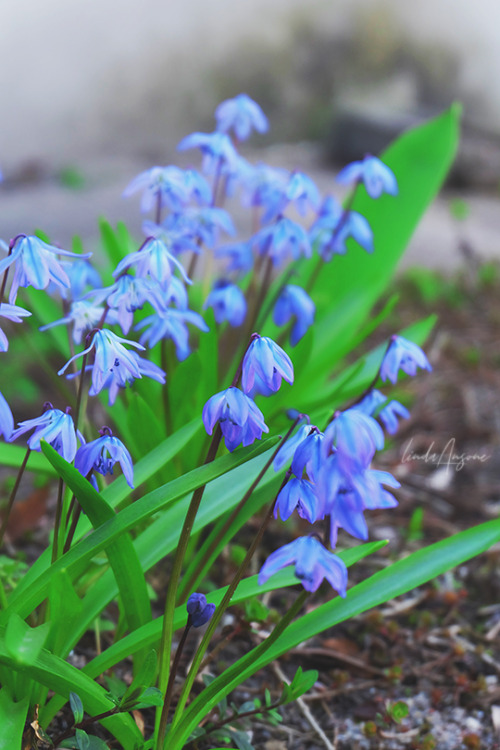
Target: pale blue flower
{"points": [[6, 419], [114, 365], [240, 256], [281, 240], [102, 454], [269, 362], [371, 402], [355, 436], [153, 259], [164, 184], [171, 324], [216, 148], [330, 232], [240, 114], [199, 611], [241, 421], [402, 355], [127, 295], [389, 416], [312, 563], [13, 313], [36, 264], [54, 426], [289, 447], [228, 303], [294, 302], [375, 175], [81, 275], [302, 191]]}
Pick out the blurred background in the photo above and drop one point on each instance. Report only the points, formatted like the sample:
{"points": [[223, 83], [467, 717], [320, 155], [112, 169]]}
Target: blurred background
{"points": [[95, 91]]}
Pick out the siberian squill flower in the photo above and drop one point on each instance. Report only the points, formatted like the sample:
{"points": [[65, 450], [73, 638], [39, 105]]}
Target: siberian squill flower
{"points": [[154, 259], [240, 114], [355, 436], [208, 222], [294, 302], [36, 264], [6, 418], [163, 185], [333, 227], [302, 191], [403, 355], [240, 257], [281, 240], [228, 303], [126, 295], [298, 494], [114, 366], [312, 563], [54, 426], [241, 421], [289, 447], [375, 175], [216, 149], [81, 275], [13, 313], [389, 416], [102, 454], [199, 611], [84, 315], [167, 323], [267, 362]]}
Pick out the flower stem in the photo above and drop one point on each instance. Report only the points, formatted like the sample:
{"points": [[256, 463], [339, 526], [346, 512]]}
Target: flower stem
{"points": [[171, 680], [222, 608], [13, 494], [57, 522]]}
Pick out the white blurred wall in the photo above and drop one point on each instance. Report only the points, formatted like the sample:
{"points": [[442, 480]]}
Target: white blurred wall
{"points": [[81, 76]]}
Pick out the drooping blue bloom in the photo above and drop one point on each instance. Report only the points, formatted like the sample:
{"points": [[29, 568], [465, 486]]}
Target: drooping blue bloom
{"points": [[298, 494], [312, 563], [355, 436], [127, 295], [240, 114], [6, 419], [302, 191], [266, 186], [375, 175], [199, 611], [371, 402], [208, 222], [102, 454], [309, 455], [81, 275], [114, 366], [240, 256], [402, 355], [84, 315], [329, 233], [389, 416], [154, 259], [13, 313], [164, 184], [216, 149], [294, 302], [228, 303], [54, 426], [36, 264], [281, 240], [368, 485], [241, 421], [266, 360], [167, 323], [289, 447]]}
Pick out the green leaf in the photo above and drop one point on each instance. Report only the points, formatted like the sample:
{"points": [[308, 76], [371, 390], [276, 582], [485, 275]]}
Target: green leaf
{"points": [[301, 683], [12, 720], [23, 643], [76, 706]]}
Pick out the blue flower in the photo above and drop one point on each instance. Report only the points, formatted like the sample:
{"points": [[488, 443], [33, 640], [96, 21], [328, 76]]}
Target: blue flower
{"points": [[164, 184], [294, 302], [371, 402], [241, 421], [282, 239], [114, 366], [199, 611], [6, 418], [330, 233], [312, 563], [375, 175], [81, 275], [402, 355], [298, 494], [216, 148], [240, 114], [153, 259], [302, 191], [266, 360], [102, 454], [240, 255], [54, 426], [228, 303], [355, 436], [13, 313], [84, 315], [207, 222], [309, 456], [168, 323], [389, 416], [288, 448], [266, 186], [36, 264]]}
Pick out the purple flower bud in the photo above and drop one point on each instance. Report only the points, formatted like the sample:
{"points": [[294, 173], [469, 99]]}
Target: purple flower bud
{"points": [[199, 611]]}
